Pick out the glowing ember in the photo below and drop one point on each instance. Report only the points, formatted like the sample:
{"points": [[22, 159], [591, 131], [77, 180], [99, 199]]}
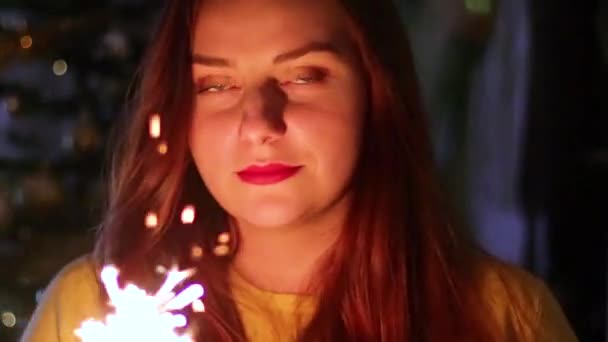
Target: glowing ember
{"points": [[223, 238], [151, 220], [160, 269], [139, 316], [221, 250], [162, 148], [188, 214], [196, 252], [154, 126]]}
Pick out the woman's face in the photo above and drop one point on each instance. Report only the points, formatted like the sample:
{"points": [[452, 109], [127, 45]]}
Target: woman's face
{"points": [[279, 107]]}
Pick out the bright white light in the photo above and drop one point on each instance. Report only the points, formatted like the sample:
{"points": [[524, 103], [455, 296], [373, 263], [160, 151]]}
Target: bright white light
{"points": [[198, 306], [139, 316], [151, 220], [188, 214], [154, 126]]}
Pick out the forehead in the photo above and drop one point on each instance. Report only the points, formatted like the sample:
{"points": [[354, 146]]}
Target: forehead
{"points": [[229, 26]]}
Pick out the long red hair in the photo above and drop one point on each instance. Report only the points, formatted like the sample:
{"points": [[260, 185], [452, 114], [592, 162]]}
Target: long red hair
{"points": [[399, 272]]}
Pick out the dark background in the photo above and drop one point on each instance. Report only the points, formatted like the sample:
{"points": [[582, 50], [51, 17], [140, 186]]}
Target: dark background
{"points": [[517, 92]]}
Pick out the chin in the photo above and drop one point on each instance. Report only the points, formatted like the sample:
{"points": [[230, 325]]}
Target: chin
{"points": [[270, 215]]}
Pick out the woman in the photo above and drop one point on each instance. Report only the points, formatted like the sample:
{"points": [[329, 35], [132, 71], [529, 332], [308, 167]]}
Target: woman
{"points": [[294, 126]]}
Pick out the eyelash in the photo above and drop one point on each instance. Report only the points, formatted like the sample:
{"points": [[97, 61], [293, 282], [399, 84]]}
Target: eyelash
{"points": [[310, 76]]}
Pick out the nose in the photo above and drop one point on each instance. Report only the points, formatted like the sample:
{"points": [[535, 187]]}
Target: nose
{"points": [[262, 113]]}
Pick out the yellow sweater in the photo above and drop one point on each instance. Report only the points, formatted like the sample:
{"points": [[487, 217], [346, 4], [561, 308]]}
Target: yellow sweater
{"points": [[73, 296]]}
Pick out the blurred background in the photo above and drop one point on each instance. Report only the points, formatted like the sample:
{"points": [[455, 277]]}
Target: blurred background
{"points": [[517, 93]]}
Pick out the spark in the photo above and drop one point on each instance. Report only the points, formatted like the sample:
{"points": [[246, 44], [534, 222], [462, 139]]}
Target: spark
{"points": [[139, 316], [154, 126], [151, 220], [223, 238], [188, 214]]}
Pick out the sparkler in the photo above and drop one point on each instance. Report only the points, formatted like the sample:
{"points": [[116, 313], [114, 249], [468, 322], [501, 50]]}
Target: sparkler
{"points": [[142, 317], [138, 316]]}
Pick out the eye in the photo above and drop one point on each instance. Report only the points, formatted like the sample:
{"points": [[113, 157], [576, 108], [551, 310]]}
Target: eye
{"points": [[214, 84], [307, 75]]}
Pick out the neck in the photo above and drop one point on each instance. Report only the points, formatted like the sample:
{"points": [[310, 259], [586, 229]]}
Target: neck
{"points": [[285, 259]]}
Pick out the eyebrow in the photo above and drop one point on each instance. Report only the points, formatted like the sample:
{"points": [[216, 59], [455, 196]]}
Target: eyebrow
{"points": [[284, 57]]}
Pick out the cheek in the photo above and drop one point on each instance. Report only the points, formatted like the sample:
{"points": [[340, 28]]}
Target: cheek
{"points": [[331, 134], [210, 145]]}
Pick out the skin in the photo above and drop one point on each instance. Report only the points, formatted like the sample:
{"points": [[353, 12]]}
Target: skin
{"points": [[277, 81]]}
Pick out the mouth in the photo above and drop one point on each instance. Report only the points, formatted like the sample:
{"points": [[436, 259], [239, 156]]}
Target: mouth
{"points": [[268, 173]]}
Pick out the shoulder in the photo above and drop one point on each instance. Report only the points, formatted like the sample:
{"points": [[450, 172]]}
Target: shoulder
{"points": [[77, 282], [79, 272], [72, 296], [522, 304]]}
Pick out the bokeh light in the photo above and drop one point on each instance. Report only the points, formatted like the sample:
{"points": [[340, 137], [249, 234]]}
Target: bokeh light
{"points": [[162, 148], [221, 250], [154, 126], [60, 67], [188, 214], [223, 238], [12, 104], [9, 319], [26, 41], [196, 252], [151, 220]]}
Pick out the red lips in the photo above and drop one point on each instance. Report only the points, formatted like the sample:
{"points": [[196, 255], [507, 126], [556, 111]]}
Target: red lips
{"points": [[267, 174]]}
